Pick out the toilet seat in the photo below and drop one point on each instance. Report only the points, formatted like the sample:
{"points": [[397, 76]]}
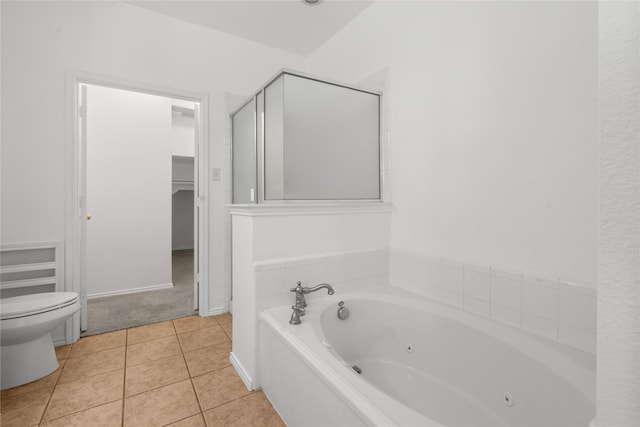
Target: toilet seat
{"points": [[29, 305]]}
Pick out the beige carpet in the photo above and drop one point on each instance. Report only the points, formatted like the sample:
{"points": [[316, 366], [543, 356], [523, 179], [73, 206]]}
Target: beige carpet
{"points": [[126, 311]]}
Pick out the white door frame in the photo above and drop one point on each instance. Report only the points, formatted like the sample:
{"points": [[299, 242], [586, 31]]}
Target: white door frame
{"points": [[76, 211]]}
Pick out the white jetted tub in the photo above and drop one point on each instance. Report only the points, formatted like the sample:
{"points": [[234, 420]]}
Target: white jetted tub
{"points": [[403, 360]]}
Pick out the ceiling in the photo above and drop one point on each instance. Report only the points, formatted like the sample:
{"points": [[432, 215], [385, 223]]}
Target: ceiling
{"points": [[290, 25]]}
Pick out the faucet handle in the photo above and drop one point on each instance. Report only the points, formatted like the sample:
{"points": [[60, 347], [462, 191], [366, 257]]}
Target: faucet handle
{"points": [[297, 289]]}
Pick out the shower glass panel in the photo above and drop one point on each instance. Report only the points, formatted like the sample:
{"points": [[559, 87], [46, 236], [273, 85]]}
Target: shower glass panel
{"points": [[331, 141], [315, 140], [244, 153]]}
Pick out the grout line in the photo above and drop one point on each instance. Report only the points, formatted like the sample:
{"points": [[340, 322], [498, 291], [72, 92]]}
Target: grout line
{"points": [[215, 370], [193, 386], [249, 393], [186, 365], [158, 387], [84, 377], [93, 352], [54, 387], [230, 338], [208, 347], [73, 412], [153, 339], [153, 360], [124, 380], [126, 345], [185, 418], [79, 411]]}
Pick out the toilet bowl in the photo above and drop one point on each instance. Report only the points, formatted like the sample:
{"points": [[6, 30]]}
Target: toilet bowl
{"points": [[26, 323]]}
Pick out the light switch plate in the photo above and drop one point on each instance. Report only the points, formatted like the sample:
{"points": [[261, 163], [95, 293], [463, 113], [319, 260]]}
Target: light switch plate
{"points": [[215, 174]]}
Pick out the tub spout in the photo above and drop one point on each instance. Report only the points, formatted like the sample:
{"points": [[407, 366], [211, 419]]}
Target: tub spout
{"points": [[299, 290], [326, 286], [301, 303]]}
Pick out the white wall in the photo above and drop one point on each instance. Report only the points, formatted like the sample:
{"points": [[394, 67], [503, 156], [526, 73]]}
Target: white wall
{"points": [[262, 233], [128, 191], [42, 40], [618, 396], [183, 135], [493, 127]]}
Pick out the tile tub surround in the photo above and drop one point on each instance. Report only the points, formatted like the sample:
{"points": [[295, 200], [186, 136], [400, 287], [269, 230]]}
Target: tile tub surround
{"points": [[270, 283], [555, 308], [345, 271], [170, 373]]}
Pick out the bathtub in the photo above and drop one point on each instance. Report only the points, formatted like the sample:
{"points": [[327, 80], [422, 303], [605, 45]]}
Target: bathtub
{"points": [[403, 360]]}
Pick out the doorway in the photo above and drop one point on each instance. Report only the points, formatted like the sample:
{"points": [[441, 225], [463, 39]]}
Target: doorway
{"points": [[130, 174]]}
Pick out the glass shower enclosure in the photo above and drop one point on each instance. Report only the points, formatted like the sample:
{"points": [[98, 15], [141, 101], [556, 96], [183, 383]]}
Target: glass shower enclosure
{"points": [[300, 138]]}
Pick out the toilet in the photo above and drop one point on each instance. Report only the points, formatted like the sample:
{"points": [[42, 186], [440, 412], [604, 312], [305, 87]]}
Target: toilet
{"points": [[26, 324]]}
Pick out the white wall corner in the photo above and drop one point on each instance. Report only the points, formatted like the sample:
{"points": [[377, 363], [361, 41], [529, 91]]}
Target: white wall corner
{"points": [[618, 329], [242, 372], [216, 311]]}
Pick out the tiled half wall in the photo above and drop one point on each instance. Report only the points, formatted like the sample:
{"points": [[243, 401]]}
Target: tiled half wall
{"points": [[345, 272], [554, 308]]}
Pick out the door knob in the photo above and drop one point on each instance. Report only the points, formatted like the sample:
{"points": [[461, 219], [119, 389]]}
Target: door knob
{"points": [[88, 217]]}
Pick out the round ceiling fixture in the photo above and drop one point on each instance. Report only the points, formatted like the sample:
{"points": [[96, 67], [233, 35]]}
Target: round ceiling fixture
{"points": [[311, 2]]}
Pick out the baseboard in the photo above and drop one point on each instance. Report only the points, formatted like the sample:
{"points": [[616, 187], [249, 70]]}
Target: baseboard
{"points": [[60, 341], [131, 291], [242, 373], [215, 311]]}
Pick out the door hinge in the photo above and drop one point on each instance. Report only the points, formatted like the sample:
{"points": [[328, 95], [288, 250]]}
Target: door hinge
{"points": [[82, 111]]}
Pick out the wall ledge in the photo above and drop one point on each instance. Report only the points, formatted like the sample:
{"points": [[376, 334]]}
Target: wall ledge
{"points": [[298, 208]]}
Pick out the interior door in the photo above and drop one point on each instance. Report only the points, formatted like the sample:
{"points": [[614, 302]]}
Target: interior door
{"points": [[82, 244], [197, 199], [128, 188]]}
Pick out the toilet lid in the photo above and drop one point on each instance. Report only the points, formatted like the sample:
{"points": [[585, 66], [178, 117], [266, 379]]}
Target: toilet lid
{"points": [[26, 305]]}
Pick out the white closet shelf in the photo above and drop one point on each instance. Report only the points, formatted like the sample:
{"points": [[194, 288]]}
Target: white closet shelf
{"points": [[181, 184]]}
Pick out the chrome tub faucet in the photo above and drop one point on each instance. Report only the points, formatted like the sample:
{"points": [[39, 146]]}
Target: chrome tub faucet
{"points": [[301, 303]]}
